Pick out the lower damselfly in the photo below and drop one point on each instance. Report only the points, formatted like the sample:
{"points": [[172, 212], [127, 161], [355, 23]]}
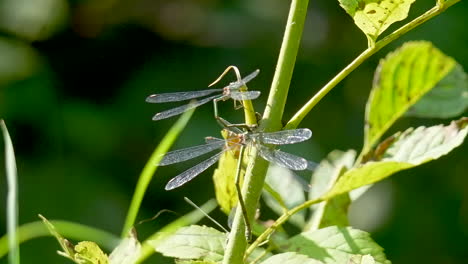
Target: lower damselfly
{"points": [[235, 90], [234, 141]]}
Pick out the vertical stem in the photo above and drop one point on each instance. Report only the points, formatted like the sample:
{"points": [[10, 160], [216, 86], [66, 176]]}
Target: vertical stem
{"points": [[285, 66], [256, 171]]}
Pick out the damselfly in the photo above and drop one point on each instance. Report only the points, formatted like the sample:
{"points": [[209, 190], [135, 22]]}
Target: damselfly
{"points": [[234, 141], [237, 140], [235, 90]]}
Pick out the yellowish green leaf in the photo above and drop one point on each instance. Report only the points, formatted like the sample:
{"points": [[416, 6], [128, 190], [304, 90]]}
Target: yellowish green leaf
{"points": [[87, 252], [374, 16], [334, 244], [194, 243], [400, 81], [290, 258], [224, 179], [403, 151], [448, 99]]}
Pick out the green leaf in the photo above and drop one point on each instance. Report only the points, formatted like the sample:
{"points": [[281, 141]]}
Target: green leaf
{"points": [[335, 245], [400, 80], [374, 17], [361, 259], [194, 242], [224, 181], [194, 262], [403, 151], [290, 258], [12, 197], [289, 189], [170, 229], [127, 252], [87, 252], [333, 211], [449, 98]]}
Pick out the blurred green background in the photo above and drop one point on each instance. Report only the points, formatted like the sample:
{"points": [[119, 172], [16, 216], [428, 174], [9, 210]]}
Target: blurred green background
{"points": [[74, 76]]}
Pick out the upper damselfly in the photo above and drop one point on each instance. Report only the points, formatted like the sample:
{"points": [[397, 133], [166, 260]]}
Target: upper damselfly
{"points": [[235, 90]]}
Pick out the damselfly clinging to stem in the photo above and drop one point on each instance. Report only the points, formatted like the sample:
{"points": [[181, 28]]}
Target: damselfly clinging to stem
{"points": [[236, 140], [235, 90]]}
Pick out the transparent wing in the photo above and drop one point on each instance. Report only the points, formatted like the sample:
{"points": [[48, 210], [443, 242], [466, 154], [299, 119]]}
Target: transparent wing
{"points": [[179, 96], [247, 95], [191, 173], [248, 78], [282, 159], [251, 76], [179, 110], [283, 137], [190, 153]]}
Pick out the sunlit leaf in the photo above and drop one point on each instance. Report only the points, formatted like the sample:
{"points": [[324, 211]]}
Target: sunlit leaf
{"points": [[194, 242], [361, 259], [333, 211], [289, 189], [127, 252], [290, 258], [449, 98], [195, 262], [224, 179], [335, 245], [87, 252], [374, 17], [400, 80], [170, 229], [403, 151]]}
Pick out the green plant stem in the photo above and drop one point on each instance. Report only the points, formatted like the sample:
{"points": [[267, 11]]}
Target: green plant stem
{"points": [[249, 113], [150, 167], [257, 168], [281, 220], [12, 197], [299, 116], [276, 103], [70, 230]]}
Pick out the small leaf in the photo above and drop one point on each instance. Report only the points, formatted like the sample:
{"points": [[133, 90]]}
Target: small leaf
{"points": [[224, 180], [194, 242], [87, 252], [127, 252], [449, 98], [290, 258], [401, 80], [406, 150], [333, 211], [290, 190], [374, 17], [335, 245]]}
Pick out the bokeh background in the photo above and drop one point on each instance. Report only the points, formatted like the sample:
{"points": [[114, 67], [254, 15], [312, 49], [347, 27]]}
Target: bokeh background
{"points": [[74, 76]]}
